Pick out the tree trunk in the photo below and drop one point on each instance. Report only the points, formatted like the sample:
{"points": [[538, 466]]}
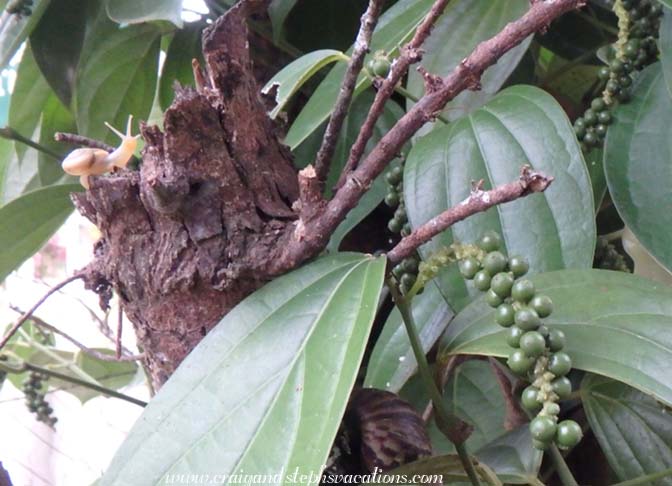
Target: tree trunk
{"points": [[198, 227]]}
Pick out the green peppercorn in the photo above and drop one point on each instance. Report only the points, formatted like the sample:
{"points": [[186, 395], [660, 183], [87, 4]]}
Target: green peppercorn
{"points": [[612, 86], [533, 344], [410, 265], [392, 199], [490, 241], [494, 262], [469, 267], [394, 176], [603, 73], [543, 428], [513, 336], [568, 434], [482, 280], [394, 225], [560, 363], [523, 290], [597, 104], [492, 298], [501, 284], [527, 319], [542, 304], [529, 398], [562, 387], [518, 265], [519, 362], [505, 315], [604, 117], [616, 66], [556, 340]]}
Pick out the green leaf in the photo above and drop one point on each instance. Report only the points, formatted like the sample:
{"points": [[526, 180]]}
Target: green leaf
{"points": [[185, 46], [139, 11], [595, 164], [117, 76], [638, 163], [617, 325], [20, 176], [513, 458], [521, 125], [14, 29], [665, 46], [278, 11], [268, 384], [392, 361], [634, 431], [395, 26], [110, 374], [57, 43], [31, 92], [465, 24], [290, 79], [55, 118], [27, 222]]}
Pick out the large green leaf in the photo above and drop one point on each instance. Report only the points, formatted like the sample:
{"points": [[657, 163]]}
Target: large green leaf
{"points": [[55, 118], [617, 325], [57, 43], [27, 222], [444, 469], [392, 361], [290, 79], [513, 458], [268, 385], [464, 24], [139, 11], [634, 431], [14, 29], [521, 125], [185, 46], [30, 94], [394, 27], [117, 76], [638, 163], [665, 46]]}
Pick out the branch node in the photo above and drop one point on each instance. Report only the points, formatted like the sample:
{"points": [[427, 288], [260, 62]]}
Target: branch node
{"points": [[433, 83]]}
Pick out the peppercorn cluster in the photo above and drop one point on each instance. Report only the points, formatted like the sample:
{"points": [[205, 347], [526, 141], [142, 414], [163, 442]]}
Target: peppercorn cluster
{"points": [[537, 350], [33, 389], [406, 271], [636, 47]]}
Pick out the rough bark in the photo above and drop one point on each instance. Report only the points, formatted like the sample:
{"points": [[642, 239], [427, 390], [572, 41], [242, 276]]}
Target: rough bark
{"points": [[188, 236]]}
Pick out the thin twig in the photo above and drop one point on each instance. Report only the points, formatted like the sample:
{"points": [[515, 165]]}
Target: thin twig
{"points": [[561, 467], [120, 326], [10, 134], [361, 49], [409, 54], [311, 236], [529, 183], [4, 366], [92, 352], [30, 311], [75, 139]]}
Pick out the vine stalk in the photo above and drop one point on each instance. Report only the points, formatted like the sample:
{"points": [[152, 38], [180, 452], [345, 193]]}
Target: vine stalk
{"points": [[449, 424]]}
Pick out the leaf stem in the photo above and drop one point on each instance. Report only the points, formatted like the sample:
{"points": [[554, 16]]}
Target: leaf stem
{"points": [[55, 374], [561, 467], [10, 134], [447, 422], [645, 479]]}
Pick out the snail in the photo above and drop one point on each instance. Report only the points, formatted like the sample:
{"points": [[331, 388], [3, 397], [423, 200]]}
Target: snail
{"points": [[86, 162]]}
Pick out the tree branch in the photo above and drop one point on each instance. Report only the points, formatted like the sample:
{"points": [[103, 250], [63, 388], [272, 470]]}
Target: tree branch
{"points": [[410, 54], [315, 233], [81, 140], [529, 183], [91, 352], [361, 49], [30, 311]]}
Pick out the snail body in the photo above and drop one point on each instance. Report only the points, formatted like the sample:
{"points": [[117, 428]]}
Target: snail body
{"points": [[85, 162]]}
